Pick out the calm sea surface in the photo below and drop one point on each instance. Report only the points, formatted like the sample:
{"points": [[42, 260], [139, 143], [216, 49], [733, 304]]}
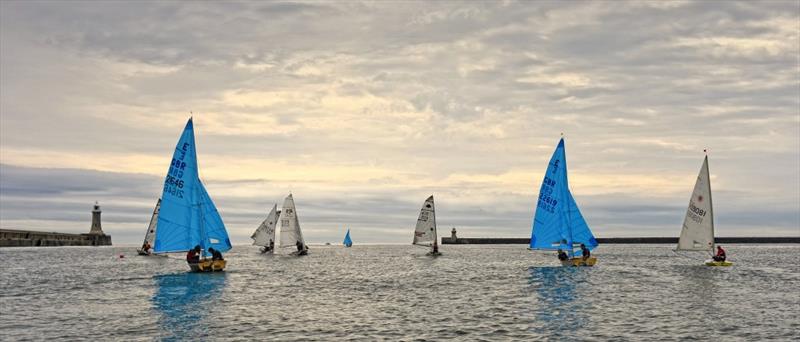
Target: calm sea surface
{"points": [[636, 292]]}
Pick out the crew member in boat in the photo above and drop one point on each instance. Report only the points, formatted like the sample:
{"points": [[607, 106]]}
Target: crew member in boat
{"points": [[193, 256], [146, 247], [301, 248], [215, 254], [585, 253], [562, 255], [720, 254], [435, 247]]}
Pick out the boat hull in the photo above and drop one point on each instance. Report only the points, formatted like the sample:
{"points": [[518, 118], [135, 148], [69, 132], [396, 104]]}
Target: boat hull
{"points": [[299, 253], [579, 262], [435, 254], [718, 263], [208, 266]]}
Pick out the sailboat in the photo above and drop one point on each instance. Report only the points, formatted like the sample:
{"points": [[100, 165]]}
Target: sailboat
{"points": [[697, 233], [264, 235], [425, 232], [558, 223], [150, 234], [188, 217], [347, 241], [291, 236]]}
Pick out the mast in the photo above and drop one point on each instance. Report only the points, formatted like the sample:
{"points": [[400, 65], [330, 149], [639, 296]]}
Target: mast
{"points": [[710, 205], [435, 236], [566, 189]]}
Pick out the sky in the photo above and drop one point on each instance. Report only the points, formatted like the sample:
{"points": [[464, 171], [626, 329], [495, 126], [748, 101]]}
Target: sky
{"points": [[363, 109]]}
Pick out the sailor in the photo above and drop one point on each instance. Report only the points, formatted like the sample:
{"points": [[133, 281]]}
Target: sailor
{"points": [[720, 254], [193, 256], [585, 252], [562, 255], [271, 245], [146, 247], [435, 248], [215, 254], [299, 246]]}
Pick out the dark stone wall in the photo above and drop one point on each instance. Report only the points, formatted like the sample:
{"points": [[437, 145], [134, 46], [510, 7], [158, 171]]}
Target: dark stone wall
{"points": [[27, 238]]}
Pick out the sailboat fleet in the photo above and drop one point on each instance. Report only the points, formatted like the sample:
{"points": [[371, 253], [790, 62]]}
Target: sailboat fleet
{"points": [[185, 218]]}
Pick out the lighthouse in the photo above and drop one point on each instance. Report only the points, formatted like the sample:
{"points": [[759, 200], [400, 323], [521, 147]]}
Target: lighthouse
{"points": [[97, 229]]}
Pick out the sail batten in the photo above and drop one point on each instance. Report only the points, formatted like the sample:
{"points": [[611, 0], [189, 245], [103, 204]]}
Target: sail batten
{"points": [[558, 222], [697, 233]]}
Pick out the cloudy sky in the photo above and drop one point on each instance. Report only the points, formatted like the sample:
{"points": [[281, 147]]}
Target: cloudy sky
{"points": [[363, 109]]}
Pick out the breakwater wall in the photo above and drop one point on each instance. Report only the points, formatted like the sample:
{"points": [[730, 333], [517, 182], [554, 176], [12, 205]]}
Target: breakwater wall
{"points": [[30, 238], [625, 240]]}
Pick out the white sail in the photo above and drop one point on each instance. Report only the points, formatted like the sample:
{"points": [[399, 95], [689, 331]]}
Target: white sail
{"points": [[290, 225], [150, 235], [266, 231], [698, 226], [425, 232]]}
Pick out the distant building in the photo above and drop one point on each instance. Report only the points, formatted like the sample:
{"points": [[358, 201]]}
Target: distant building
{"points": [[30, 238]]}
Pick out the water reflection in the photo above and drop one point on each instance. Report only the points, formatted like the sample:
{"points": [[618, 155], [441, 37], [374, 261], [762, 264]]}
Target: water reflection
{"points": [[186, 303], [558, 311]]}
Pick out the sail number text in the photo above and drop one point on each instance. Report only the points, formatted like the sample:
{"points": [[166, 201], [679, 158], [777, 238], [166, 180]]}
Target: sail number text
{"points": [[547, 202]]}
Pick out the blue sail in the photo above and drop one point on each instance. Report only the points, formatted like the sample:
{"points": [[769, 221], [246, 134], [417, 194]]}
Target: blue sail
{"points": [[187, 217], [558, 223], [347, 241]]}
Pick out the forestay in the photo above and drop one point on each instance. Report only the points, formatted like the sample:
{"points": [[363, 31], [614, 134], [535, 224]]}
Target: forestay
{"points": [[558, 223], [266, 231], [425, 232], [697, 233], [290, 224]]}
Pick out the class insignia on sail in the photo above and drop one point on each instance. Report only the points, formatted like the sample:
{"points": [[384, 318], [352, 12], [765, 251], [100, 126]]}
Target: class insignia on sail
{"points": [[264, 235], [697, 233], [188, 218], [291, 236], [425, 231], [347, 241], [558, 224]]}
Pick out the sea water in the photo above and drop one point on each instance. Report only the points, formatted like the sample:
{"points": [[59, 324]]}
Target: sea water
{"points": [[393, 292]]}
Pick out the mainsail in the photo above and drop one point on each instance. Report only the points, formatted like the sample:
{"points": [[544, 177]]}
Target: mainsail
{"points": [[150, 235], [188, 217], [558, 223], [290, 225], [347, 241], [698, 226], [266, 231], [425, 232]]}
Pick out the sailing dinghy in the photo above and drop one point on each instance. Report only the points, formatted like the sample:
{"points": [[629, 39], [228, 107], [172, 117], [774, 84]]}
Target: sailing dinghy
{"points": [[150, 234], [188, 216], [264, 235], [291, 236], [347, 241], [697, 233], [558, 223], [425, 232]]}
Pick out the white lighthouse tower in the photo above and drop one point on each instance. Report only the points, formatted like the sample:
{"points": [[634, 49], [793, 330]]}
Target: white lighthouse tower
{"points": [[97, 229]]}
